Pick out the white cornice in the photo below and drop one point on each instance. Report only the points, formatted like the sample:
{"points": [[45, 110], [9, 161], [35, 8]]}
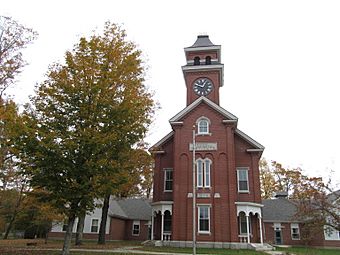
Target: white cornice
{"points": [[249, 139], [194, 104], [205, 48], [229, 121], [160, 142], [202, 67], [255, 150], [249, 204], [197, 68]]}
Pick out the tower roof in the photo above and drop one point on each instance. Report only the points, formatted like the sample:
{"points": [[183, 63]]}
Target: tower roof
{"points": [[202, 41]]}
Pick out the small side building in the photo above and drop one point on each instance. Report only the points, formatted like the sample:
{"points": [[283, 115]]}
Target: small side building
{"points": [[128, 219]]}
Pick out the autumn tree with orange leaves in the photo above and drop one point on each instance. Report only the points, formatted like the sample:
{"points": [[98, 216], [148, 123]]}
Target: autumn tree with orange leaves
{"points": [[318, 205]]}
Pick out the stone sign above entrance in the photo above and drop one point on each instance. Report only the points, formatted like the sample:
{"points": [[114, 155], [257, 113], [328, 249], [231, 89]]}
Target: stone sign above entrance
{"points": [[204, 147]]}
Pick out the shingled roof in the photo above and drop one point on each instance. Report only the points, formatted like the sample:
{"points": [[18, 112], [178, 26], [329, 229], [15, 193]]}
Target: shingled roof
{"points": [[279, 210], [130, 208]]}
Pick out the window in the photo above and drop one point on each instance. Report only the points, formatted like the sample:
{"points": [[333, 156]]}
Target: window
{"points": [[197, 61], [136, 228], [204, 219], [295, 231], [203, 173], [168, 179], [208, 60], [94, 226], [203, 126], [167, 221], [242, 179], [243, 223], [207, 164], [64, 226]]}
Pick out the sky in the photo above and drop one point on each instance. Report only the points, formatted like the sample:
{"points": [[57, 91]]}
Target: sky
{"points": [[281, 63]]}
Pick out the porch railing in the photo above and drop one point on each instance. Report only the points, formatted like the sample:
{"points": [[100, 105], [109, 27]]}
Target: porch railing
{"points": [[167, 236]]}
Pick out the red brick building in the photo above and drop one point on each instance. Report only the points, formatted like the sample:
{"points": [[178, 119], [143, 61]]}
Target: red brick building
{"points": [[228, 210]]}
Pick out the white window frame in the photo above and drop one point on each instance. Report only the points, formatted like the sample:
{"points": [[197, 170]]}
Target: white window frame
{"points": [[295, 226], [64, 226], [199, 123], [135, 223], [239, 169], [209, 219], [245, 221], [199, 173], [166, 170], [207, 172], [203, 173], [92, 225]]}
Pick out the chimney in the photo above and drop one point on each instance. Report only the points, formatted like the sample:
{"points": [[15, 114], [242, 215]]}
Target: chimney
{"points": [[281, 194]]}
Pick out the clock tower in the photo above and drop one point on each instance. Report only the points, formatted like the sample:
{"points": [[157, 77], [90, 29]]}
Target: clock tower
{"points": [[203, 73], [205, 152]]}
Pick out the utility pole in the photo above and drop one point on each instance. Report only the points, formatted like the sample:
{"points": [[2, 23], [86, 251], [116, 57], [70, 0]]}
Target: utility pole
{"points": [[193, 192]]}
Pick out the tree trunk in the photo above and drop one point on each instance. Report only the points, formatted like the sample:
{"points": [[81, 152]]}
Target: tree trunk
{"points": [[68, 235], [14, 215], [80, 229], [105, 209]]}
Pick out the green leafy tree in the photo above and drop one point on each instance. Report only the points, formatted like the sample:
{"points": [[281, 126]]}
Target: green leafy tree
{"points": [[132, 177], [87, 111], [13, 38], [11, 180]]}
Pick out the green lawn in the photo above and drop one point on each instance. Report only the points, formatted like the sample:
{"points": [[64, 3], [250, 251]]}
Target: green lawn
{"points": [[310, 251], [200, 251]]}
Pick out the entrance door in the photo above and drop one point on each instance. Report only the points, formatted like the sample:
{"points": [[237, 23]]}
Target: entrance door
{"points": [[278, 236]]}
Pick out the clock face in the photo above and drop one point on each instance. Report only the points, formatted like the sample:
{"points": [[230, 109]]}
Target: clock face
{"points": [[202, 86]]}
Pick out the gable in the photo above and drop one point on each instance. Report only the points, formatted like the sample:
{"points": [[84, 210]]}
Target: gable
{"points": [[179, 116]]}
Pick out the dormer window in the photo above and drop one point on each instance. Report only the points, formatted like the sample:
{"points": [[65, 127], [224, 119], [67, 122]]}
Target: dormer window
{"points": [[197, 61], [208, 60], [203, 126]]}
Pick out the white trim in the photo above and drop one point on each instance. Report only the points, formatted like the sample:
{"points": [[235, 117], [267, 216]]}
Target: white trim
{"points": [[213, 66], [207, 185], [202, 48], [160, 142], [254, 150], [168, 169], [193, 105], [239, 169], [229, 121], [208, 206], [198, 122], [93, 219], [249, 207], [136, 223], [191, 61], [249, 139], [295, 226], [203, 183], [202, 67]]}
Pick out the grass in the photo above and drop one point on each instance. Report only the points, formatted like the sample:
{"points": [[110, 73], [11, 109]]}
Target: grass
{"points": [[58, 244], [200, 250], [19, 247], [309, 251]]}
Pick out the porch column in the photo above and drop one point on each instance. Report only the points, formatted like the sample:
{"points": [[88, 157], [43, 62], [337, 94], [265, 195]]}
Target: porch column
{"points": [[162, 228], [260, 222], [248, 230], [152, 223]]}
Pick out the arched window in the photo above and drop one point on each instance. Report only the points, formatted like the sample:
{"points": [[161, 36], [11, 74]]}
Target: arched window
{"points": [[199, 165], [203, 126], [208, 60], [197, 61], [203, 170]]}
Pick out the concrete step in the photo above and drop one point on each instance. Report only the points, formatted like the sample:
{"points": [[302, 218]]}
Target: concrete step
{"points": [[261, 247]]}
